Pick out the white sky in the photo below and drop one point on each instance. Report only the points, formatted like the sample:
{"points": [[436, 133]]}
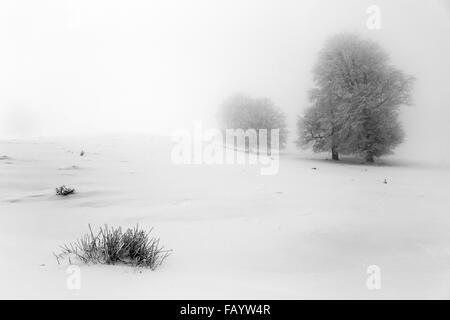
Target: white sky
{"points": [[86, 66]]}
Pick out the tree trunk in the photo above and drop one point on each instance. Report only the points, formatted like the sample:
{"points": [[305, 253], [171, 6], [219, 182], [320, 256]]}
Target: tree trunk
{"points": [[370, 158], [334, 154]]}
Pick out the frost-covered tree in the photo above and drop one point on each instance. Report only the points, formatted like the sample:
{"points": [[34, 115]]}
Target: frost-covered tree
{"points": [[243, 112], [356, 100]]}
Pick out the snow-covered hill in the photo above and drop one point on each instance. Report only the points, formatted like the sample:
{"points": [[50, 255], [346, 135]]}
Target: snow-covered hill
{"points": [[310, 231]]}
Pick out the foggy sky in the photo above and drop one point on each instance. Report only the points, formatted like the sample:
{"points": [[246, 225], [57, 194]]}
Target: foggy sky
{"points": [[91, 66]]}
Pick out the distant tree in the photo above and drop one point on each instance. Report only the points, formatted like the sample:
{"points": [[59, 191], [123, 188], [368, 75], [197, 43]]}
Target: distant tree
{"points": [[243, 112], [355, 103]]}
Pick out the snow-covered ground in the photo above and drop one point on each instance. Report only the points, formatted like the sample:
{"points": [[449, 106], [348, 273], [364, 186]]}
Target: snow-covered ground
{"points": [[310, 231]]}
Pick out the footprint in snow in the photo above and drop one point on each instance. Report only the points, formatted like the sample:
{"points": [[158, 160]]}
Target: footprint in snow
{"points": [[70, 168], [181, 202]]}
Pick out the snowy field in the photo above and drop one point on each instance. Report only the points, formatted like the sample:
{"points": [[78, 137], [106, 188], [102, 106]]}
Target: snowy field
{"points": [[310, 231]]}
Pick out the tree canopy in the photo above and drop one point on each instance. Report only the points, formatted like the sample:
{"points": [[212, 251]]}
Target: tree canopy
{"points": [[355, 102], [243, 112]]}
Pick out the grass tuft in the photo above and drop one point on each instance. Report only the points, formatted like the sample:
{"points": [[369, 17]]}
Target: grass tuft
{"points": [[133, 247], [64, 191]]}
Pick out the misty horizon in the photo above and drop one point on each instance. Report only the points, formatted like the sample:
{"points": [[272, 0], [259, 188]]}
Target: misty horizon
{"points": [[83, 67]]}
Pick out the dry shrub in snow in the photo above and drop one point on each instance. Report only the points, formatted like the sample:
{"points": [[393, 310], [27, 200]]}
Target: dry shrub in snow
{"points": [[64, 191], [111, 246]]}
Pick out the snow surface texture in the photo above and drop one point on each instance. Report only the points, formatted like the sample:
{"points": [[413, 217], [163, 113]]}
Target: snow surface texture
{"points": [[311, 231]]}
